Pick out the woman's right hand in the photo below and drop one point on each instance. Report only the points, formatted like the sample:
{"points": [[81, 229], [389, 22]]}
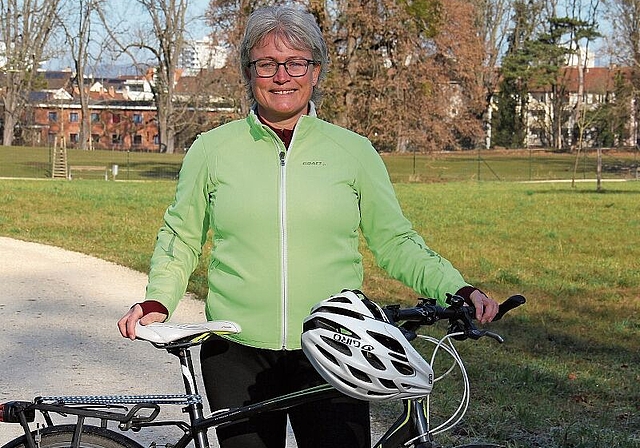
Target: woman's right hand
{"points": [[127, 324]]}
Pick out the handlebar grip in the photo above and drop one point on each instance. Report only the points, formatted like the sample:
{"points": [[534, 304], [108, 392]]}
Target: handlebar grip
{"points": [[509, 304]]}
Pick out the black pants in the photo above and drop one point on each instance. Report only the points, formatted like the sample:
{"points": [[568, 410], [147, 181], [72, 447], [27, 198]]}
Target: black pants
{"points": [[236, 375]]}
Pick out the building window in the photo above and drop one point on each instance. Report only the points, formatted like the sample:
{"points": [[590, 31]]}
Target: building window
{"points": [[53, 116], [95, 138], [73, 117], [156, 139], [95, 117], [73, 138], [137, 139], [115, 118], [137, 118], [116, 139]]}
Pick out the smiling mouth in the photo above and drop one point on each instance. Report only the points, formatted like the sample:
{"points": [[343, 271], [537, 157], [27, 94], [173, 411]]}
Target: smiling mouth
{"points": [[282, 92]]}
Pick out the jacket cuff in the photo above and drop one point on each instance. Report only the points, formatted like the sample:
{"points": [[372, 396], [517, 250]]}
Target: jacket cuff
{"points": [[152, 306], [465, 292]]}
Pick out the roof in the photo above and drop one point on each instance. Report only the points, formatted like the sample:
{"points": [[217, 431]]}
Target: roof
{"points": [[597, 80]]}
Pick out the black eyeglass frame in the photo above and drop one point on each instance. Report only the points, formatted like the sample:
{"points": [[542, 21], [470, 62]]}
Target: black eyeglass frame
{"points": [[284, 64]]}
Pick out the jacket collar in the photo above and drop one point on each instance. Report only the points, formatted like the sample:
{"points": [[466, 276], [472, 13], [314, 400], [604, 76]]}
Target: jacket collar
{"points": [[261, 131], [256, 124]]}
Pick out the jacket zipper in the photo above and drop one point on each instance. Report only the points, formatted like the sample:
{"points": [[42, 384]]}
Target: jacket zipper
{"points": [[283, 239]]}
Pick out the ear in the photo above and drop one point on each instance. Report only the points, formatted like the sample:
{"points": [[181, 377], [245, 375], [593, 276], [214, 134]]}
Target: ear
{"points": [[247, 72], [316, 74]]}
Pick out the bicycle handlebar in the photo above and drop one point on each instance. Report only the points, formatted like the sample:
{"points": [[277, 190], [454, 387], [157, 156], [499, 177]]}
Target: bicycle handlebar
{"points": [[459, 314]]}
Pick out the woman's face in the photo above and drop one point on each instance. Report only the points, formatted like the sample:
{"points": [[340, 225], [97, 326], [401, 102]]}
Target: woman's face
{"points": [[281, 99]]}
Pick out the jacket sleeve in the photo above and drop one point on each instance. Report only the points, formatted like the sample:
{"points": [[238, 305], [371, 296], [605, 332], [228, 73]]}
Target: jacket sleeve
{"points": [[184, 232], [397, 247]]}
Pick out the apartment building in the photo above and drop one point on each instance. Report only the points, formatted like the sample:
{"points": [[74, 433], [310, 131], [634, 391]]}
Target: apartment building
{"points": [[122, 113]]}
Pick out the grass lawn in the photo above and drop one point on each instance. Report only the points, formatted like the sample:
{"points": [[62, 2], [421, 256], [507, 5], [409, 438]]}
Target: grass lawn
{"points": [[568, 374]]}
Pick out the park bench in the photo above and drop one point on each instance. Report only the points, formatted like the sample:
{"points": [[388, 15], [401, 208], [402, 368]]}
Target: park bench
{"points": [[76, 168]]}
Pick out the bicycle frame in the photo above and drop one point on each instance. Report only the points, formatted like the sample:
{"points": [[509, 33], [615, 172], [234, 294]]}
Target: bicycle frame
{"points": [[412, 421]]}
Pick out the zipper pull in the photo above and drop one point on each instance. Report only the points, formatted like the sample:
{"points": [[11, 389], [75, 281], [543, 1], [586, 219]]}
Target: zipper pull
{"points": [[282, 156]]}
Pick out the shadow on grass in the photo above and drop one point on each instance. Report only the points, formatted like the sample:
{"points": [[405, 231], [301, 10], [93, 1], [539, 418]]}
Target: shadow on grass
{"points": [[604, 191]]}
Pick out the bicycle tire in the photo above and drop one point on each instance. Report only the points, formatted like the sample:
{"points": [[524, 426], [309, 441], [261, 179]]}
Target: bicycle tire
{"points": [[60, 436]]}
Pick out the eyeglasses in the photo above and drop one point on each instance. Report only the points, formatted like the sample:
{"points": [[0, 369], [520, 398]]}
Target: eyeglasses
{"points": [[267, 68]]}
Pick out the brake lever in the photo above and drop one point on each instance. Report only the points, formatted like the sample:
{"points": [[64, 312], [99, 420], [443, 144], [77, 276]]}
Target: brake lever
{"points": [[493, 335]]}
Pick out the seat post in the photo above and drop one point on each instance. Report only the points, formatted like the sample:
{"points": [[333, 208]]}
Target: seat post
{"points": [[186, 366], [194, 409]]}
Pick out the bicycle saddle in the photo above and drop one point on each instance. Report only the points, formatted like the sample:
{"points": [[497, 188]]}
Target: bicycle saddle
{"points": [[165, 333]]}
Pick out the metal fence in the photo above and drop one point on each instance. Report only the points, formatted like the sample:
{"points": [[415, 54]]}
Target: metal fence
{"points": [[485, 165]]}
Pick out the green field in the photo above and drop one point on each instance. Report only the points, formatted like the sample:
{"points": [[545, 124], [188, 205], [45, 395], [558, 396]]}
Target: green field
{"points": [[492, 165], [568, 374], [23, 162]]}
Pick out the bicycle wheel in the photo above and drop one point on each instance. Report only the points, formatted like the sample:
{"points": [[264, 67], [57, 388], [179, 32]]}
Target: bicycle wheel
{"points": [[92, 437]]}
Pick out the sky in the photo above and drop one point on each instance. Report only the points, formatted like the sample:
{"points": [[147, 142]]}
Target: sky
{"points": [[129, 11]]}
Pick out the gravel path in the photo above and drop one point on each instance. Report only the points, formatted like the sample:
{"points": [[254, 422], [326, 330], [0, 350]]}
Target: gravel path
{"points": [[59, 337]]}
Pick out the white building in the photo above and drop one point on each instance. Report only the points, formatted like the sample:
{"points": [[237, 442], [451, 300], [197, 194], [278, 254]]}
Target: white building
{"points": [[202, 54], [584, 58]]}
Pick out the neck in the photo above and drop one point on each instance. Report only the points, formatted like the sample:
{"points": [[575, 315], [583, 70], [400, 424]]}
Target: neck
{"points": [[280, 123]]}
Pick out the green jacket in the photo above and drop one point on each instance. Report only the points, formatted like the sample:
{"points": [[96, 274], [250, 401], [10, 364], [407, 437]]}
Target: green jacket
{"points": [[285, 227]]}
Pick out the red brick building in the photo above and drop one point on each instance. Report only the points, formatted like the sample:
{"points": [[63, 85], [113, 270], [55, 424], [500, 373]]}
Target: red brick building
{"points": [[122, 114]]}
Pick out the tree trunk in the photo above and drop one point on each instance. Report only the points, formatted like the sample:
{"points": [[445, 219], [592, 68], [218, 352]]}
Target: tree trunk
{"points": [[9, 124]]}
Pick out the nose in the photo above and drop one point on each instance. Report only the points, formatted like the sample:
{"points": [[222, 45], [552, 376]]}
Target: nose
{"points": [[281, 74]]}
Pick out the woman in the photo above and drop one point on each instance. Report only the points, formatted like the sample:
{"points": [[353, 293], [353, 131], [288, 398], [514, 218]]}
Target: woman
{"points": [[285, 195]]}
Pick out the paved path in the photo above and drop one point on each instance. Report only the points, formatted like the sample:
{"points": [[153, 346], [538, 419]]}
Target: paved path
{"points": [[58, 334]]}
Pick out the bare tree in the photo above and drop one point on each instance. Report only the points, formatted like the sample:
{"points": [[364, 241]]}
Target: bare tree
{"points": [[494, 23], [155, 50], [25, 29], [77, 26]]}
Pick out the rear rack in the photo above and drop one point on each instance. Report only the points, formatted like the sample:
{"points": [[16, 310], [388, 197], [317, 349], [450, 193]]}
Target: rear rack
{"points": [[180, 399]]}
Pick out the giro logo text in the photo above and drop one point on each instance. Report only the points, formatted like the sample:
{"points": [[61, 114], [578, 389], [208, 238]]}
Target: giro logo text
{"points": [[352, 342]]}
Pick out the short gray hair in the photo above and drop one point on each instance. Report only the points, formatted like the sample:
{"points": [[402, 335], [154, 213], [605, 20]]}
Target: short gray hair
{"points": [[297, 27]]}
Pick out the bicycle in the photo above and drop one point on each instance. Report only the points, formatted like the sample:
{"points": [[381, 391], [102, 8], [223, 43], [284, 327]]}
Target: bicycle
{"points": [[137, 412]]}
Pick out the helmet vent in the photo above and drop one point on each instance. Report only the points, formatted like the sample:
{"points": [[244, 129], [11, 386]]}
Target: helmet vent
{"points": [[375, 310], [327, 355], [399, 357], [339, 299], [328, 324], [377, 394], [374, 360], [339, 346], [340, 312], [404, 369], [388, 383], [387, 341], [359, 374]]}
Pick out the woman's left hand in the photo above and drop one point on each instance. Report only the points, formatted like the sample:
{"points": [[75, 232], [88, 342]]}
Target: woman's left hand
{"points": [[486, 307]]}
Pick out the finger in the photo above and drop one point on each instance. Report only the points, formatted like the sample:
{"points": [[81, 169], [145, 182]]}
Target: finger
{"points": [[128, 322], [123, 325], [491, 310], [131, 327], [479, 310]]}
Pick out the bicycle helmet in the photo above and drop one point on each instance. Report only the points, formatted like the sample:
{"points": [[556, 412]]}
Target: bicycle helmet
{"points": [[351, 343]]}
